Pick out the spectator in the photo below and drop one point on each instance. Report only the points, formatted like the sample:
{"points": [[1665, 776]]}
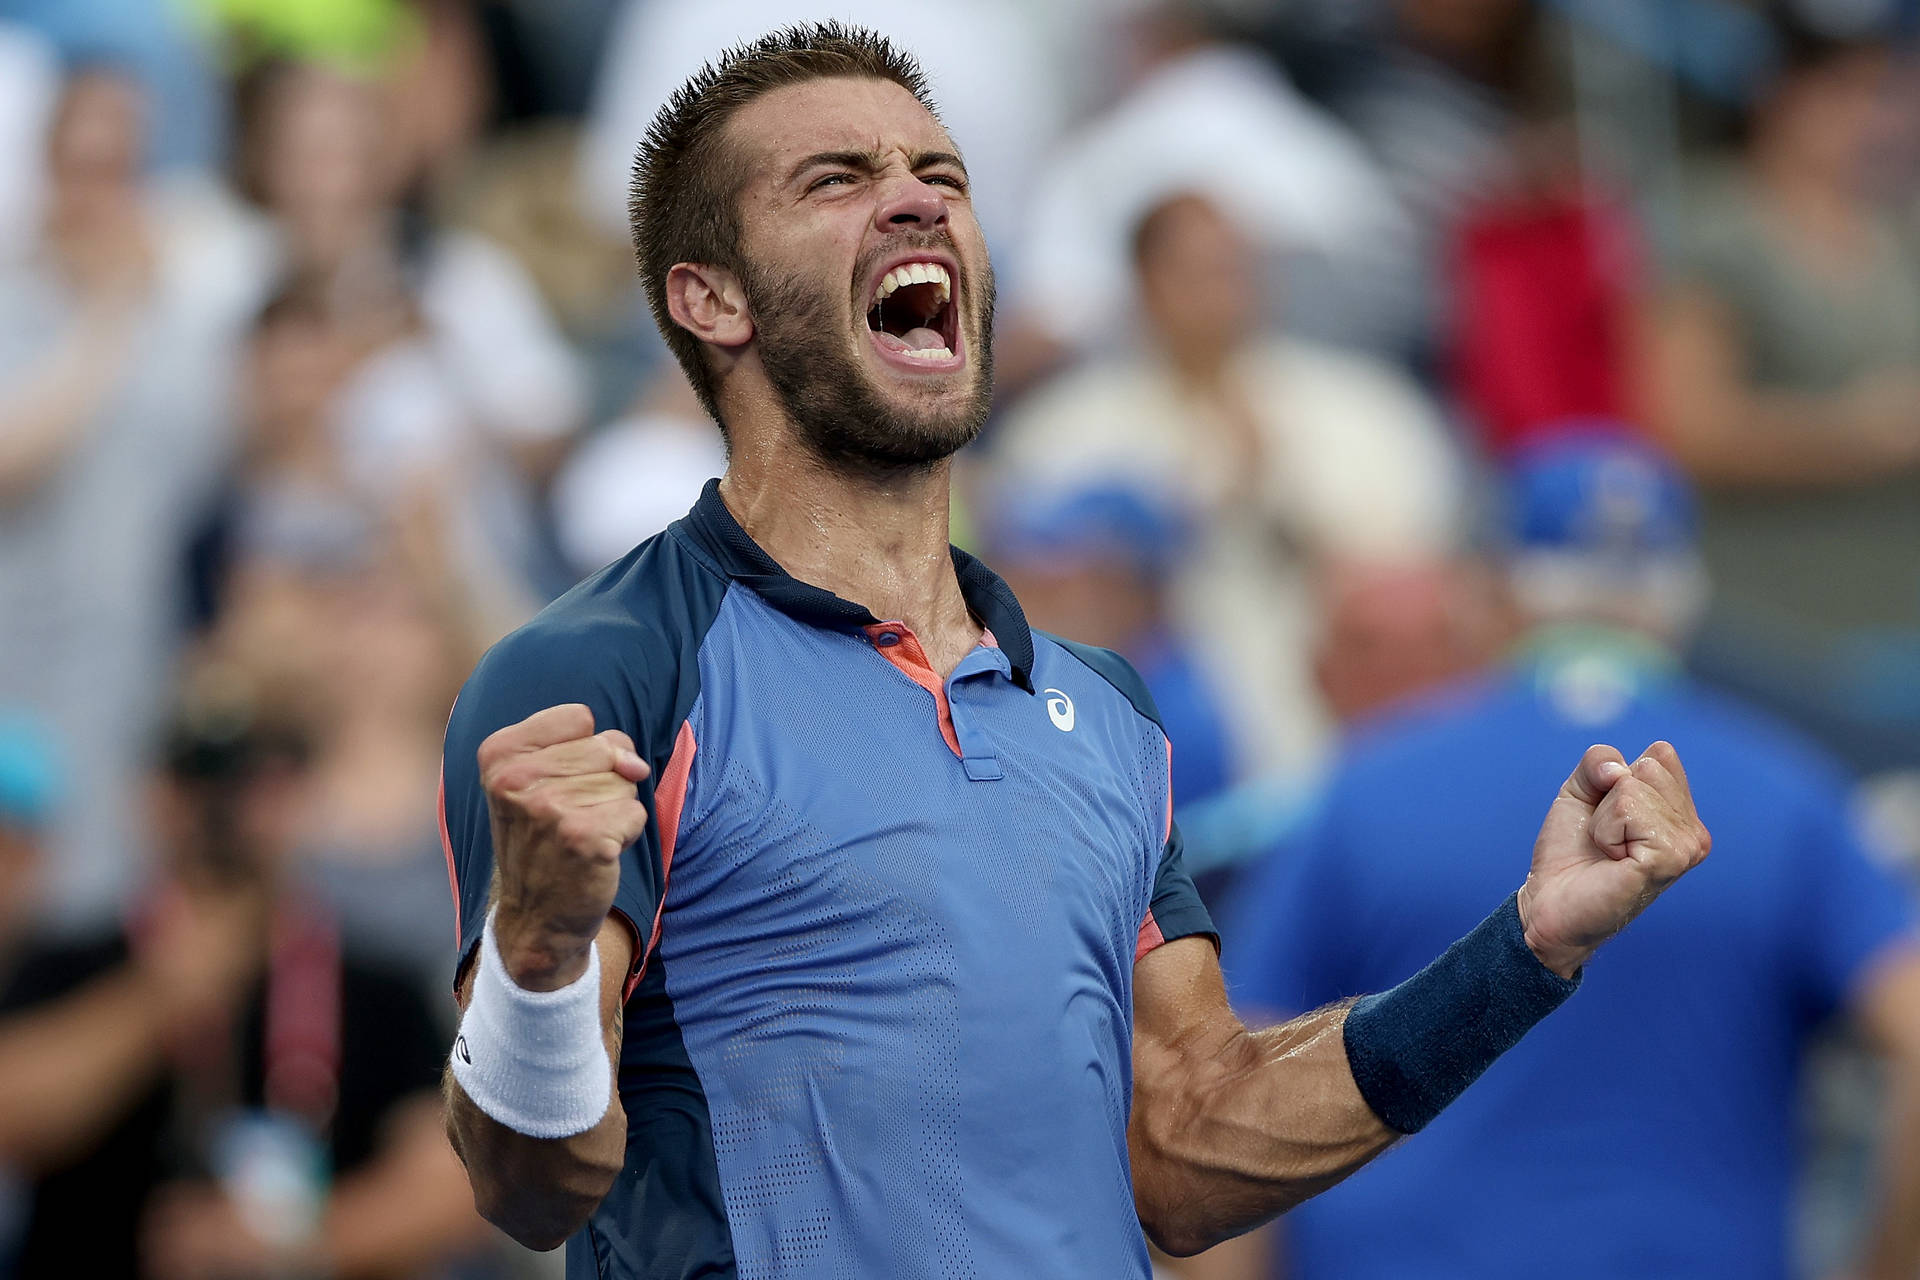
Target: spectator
{"points": [[635, 476], [1215, 118], [1642, 1136], [1431, 91], [1785, 372], [114, 367], [224, 1090], [1546, 279], [1292, 456], [1095, 565], [464, 378]]}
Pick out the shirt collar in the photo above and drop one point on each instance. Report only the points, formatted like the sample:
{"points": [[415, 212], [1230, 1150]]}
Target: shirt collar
{"points": [[989, 598]]}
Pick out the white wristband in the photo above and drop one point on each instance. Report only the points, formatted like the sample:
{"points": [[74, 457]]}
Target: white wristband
{"points": [[534, 1060]]}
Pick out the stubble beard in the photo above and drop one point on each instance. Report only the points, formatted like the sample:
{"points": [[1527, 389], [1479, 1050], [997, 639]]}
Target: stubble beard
{"points": [[842, 418]]}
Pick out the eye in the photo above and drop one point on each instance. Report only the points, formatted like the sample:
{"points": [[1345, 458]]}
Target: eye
{"points": [[947, 179], [830, 179]]}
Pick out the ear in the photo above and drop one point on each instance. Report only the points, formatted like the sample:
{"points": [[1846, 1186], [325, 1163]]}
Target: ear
{"points": [[709, 303]]}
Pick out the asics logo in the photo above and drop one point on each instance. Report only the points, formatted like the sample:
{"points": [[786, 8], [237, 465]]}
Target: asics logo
{"points": [[1060, 709]]}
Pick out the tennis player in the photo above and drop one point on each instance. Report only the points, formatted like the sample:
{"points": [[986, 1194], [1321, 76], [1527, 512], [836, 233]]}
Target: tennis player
{"points": [[821, 919]]}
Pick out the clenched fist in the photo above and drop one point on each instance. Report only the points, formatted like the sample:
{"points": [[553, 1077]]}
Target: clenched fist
{"points": [[563, 807], [1615, 837]]}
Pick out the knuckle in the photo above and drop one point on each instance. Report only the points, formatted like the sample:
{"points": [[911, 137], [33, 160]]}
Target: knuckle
{"points": [[508, 779]]}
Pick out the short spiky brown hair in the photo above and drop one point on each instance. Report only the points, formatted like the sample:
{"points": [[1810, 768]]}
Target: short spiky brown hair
{"points": [[685, 197]]}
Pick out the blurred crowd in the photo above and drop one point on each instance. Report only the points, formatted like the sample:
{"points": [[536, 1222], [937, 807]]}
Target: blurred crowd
{"points": [[1356, 358]]}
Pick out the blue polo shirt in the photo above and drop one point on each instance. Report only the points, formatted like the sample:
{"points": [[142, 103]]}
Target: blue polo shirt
{"points": [[880, 1017], [1649, 1127]]}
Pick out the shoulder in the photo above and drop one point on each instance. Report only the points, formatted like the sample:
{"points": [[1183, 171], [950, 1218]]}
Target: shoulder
{"points": [[1117, 673], [624, 642]]}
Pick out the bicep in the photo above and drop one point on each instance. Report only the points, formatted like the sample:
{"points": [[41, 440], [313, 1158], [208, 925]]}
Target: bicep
{"points": [[1180, 1015]]}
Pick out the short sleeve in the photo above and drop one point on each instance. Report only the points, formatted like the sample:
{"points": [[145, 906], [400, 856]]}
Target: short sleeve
{"points": [[503, 691], [639, 676], [1850, 908], [1177, 911]]}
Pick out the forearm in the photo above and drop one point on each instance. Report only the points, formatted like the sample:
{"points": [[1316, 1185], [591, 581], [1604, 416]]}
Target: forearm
{"points": [[71, 1066], [44, 417], [1266, 1120], [1777, 437], [542, 1190], [1725, 429], [537, 1190], [1231, 1127]]}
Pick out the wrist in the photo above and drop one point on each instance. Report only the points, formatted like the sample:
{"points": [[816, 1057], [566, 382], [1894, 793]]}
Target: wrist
{"points": [[1563, 960], [537, 956]]}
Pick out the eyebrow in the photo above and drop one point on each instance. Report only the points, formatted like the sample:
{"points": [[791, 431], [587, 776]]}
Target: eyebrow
{"points": [[870, 161]]}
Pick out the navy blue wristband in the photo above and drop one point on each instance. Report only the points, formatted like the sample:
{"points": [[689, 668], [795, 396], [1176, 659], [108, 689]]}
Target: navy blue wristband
{"points": [[1416, 1048]]}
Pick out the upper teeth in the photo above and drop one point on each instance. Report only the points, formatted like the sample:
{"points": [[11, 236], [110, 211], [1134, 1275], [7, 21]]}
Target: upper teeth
{"points": [[915, 273]]}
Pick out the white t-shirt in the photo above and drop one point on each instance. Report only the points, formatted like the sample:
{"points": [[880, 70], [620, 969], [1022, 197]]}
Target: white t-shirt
{"points": [[628, 481], [1220, 122], [1357, 466]]}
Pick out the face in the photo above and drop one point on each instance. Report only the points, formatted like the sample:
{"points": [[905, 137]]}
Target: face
{"points": [[1195, 282], [94, 151], [1839, 117], [865, 274], [323, 150]]}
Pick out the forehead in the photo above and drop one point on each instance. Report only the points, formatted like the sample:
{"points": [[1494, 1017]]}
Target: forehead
{"points": [[783, 126]]}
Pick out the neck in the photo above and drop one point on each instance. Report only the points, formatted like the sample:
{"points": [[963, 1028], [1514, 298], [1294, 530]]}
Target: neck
{"points": [[878, 539]]}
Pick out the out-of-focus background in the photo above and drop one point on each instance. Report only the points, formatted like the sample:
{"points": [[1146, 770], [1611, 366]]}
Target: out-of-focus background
{"points": [[1349, 350]]}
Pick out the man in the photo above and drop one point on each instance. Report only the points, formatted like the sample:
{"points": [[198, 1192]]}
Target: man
{"points": [[893, 937], [1575, 1146], [1784, 368], [1299, 458], [227, 1088]]}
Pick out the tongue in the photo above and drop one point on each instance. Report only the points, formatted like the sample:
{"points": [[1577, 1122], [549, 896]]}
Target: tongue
{"points": [[922, 340]]}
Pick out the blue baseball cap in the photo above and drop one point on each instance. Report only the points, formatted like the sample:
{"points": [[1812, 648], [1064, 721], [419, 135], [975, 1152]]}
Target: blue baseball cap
{"points": [[1597, 489], [1107, 521], [29, 780]]}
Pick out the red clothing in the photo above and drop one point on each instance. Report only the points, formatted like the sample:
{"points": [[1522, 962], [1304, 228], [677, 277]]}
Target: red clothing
{"points": [[1542, 296]]}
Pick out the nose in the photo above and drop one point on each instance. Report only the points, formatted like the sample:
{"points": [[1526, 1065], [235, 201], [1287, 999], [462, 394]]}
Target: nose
{"points": [[906, 201]]}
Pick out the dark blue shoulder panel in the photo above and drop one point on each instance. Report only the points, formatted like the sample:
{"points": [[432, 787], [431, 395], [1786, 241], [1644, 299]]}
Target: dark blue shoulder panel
{"points": [[1116, 671], [626, 643], [1177, 908]]}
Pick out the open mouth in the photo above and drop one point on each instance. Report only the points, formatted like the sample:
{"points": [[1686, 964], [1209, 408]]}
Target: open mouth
{"points": [[913, 315]]}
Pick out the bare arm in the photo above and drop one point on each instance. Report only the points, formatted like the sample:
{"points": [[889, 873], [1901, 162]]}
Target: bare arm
{"points": [[1888, 1010], [1232, 1126], [45, 414], [1725, 430], [72, 1066], [405, 1209], [540, 1191]]}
